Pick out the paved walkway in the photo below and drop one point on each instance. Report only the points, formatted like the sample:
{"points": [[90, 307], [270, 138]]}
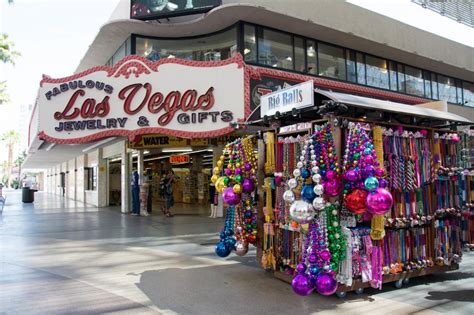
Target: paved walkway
{"points": [[63, 257]]}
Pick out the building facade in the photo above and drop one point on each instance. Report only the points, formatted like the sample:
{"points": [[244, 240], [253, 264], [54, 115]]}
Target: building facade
{"points": [[340, 46]]}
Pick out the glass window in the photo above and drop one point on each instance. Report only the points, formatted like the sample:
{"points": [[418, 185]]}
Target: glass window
{"points": [[458, 91], [214, 47], [414, 81], [299, 54], [331, 61], [393, 76], [351, 65], [90, 174], [468, 94], [275, 49], [250, 44], [377, 72], [427, 82], [360, 69], [401, 78], [446, 89], [311, 56], [434, 86]]}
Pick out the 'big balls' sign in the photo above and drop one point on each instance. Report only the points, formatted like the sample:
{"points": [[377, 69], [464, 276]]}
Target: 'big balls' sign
{"points": [[175, 97]]}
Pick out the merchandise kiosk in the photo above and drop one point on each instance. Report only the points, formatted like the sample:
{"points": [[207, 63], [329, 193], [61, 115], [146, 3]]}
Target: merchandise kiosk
{"points": [[356, 192]]}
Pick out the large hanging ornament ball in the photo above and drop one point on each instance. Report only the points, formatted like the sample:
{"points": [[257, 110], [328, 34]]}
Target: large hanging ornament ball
{"points": [[237, 188], [289, 196], [222, 250], [292, 183], [368, 159], [379, 201], [241, 248], [317, 178], [318, 203], [296, 172], [230, 197], [318, 189], [247, 185], [368, 171], [220, 185], [333, 187], [351, 175], [455, 138], [371, 183], [302, 285], [326, 284], [355, 201], [305, 173], [302, 212], [307, 193]]}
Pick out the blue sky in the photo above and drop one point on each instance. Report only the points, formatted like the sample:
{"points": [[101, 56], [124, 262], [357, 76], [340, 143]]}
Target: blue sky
{"points": [[53, 35]]}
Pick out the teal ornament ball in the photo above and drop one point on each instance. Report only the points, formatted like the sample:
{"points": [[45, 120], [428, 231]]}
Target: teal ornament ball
{"points": [[371, 183]]}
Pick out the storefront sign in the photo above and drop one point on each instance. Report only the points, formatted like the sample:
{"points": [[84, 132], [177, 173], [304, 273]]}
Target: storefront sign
{"points": [[176, 97], [296, 127], [296, 96], [156, 9], [179, 159], [162, 141]]}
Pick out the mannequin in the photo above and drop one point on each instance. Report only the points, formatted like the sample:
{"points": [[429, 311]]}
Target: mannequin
{"points": [[213, 201]]}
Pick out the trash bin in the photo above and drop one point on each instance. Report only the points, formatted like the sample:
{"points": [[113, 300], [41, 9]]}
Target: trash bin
{"points": [[27, 195]]}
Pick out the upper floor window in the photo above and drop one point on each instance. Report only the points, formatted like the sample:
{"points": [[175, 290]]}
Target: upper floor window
{"points": [[275, 49], [208, 48], [446, 89], [331, 61], [250, 43], [468, 93], [377, 72], [414, 81]]}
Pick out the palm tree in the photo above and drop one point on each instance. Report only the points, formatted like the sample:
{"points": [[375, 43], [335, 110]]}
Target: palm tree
{"points": [[11, 138]]}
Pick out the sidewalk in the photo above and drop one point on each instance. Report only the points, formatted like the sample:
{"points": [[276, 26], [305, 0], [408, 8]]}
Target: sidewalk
{"points": [[61, 257]]}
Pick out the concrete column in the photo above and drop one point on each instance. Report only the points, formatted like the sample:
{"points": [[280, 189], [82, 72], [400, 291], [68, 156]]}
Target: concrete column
{"points": [[140, 166], [125, 178], [84, 179], [102, 178]]}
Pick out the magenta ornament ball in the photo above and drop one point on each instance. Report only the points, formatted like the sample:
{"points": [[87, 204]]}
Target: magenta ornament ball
{"points": [[379, 201], [332, 187], [230, 197], [228, 172], [331, 174], [379, 172], [325, 255], [302, 285], [238, 171], [326, 284], [248, 166], [247, 185], [368, 159]]}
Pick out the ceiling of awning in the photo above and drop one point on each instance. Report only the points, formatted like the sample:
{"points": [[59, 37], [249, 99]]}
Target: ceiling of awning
{"points": [[393, 107]]}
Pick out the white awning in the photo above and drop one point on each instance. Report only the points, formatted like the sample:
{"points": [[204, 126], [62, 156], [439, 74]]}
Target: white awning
{"points": [[387, 106]]}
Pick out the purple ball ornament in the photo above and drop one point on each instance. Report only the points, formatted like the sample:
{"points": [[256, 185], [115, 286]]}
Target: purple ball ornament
{"points": [[383, 183], [325, 283], [331, 174], [248, 167], [302, 285], [369, 171], [238, 171], [247, 185], [325, 255], [312, 258], [351, 175], [379, 172], [379, 201], [228, 172], [230, 197], [301, 268]]}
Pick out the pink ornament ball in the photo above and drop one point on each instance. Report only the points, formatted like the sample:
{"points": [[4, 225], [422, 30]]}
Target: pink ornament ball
{"points": [[332, 187], [351, 175], [379, 201]]}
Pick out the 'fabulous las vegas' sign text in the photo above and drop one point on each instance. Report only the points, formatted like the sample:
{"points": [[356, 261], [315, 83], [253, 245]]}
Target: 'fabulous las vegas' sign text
{"points": [[176, 97]]}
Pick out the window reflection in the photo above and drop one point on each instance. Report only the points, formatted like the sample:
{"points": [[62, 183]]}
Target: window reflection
{"points": [[351, 66], [377, 72], [361, 69], [331, 61], [413, 81], [299, 54], [311, 56], [275, 49], [446, 89], [468, 94], [250, 44], [393, 76], [211, 48]]}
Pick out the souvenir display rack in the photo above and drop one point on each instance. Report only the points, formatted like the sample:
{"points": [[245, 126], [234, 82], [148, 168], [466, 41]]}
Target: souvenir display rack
{"points": [[426, 171]]}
